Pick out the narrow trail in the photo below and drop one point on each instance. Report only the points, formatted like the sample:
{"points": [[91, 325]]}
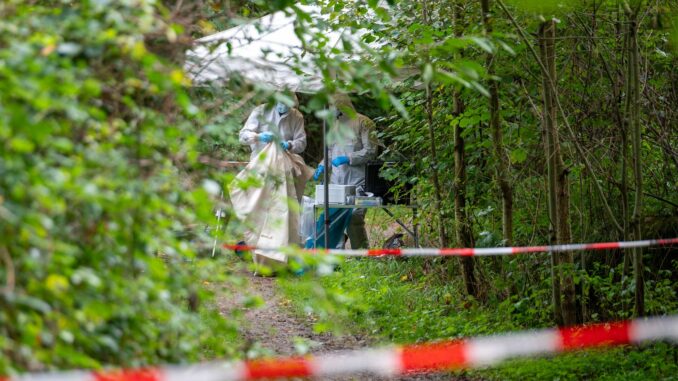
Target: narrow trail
{"points": [[275, 329]]}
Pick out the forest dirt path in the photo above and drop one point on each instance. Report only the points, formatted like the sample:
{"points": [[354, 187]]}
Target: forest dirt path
{"points": [[276, 329]]}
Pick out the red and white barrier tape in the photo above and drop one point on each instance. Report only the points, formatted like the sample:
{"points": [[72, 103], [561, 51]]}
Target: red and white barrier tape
{"points": [[429, 252], [391, 361]]}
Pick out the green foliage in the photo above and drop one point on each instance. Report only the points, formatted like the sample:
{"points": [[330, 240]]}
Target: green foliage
{"points": [[397, 300], [655, 362], [414, 300], [673, 30], [95, 134], [547, 8], [586, 91], [99, 176]]}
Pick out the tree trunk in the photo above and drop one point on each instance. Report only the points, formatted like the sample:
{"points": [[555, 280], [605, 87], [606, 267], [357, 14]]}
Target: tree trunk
{"points": [[633, 76], [464, 233], [501, 160], [565, 236], [547, 121], [628, 255], [437, 203], [562, 266]]}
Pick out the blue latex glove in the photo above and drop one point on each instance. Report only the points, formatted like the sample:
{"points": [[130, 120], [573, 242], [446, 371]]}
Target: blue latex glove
{"points": [[318, 172], [285, 145], [341, 160], [265, 137]]}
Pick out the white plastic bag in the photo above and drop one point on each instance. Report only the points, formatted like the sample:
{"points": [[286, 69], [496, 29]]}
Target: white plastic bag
{"points": [[265, 208], [307, 220]]}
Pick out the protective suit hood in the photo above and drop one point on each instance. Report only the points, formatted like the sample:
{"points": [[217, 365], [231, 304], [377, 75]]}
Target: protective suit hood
{"points": [[343, 102], [295, 99]]}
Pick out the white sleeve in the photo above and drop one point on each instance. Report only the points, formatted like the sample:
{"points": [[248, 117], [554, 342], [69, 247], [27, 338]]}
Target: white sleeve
{"points": [[248, 134], [299, 140], [369, 142]]}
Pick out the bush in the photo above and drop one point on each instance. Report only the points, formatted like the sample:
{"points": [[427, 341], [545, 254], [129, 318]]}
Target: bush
{"points": [[95, 134]]}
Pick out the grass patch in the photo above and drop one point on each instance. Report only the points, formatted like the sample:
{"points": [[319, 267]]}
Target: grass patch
{"points": [[394, 301]]}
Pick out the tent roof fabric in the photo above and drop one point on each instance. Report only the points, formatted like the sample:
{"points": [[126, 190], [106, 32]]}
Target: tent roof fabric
{"points": [[267, 52]]}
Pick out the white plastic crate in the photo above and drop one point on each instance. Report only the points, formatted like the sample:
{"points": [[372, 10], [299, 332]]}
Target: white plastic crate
{"points": [[337, 193]]}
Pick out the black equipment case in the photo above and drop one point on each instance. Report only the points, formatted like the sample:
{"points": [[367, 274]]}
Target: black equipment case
{"points": [[383, 188]]}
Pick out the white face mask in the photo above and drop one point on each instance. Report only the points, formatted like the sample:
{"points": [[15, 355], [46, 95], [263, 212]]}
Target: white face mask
{"points": [[282, 108]]}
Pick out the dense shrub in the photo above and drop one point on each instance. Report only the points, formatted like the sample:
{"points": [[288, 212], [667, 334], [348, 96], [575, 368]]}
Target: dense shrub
{"points": [[95, 133]]}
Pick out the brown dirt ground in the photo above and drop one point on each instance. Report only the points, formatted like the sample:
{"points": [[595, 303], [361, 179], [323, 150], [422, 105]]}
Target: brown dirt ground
{"points": [[273, 329]]}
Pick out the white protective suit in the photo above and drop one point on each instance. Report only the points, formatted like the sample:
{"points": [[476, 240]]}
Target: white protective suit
{"points": [[357, 141], [288, 127], [266, 208], [355, 138]]}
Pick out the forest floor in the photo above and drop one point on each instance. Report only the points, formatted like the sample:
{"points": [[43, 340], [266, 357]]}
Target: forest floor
{"points": [[273, 329]]}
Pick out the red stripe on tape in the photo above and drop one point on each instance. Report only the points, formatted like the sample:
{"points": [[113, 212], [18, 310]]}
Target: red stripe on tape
{"points": [[595, 335], [379, 252], [292, 367], [667, 241], [602, 246], [129, 375], [434, 356], [239, 247], [464, 252]]}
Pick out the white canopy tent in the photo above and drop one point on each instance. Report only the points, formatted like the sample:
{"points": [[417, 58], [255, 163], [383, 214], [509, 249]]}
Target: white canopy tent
{"points": [[266, 52]]}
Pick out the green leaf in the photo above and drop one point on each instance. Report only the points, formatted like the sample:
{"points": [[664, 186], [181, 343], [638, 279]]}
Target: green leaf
{"points": [[427, 74], [451, 78], [518, 155], [21, 145], [399, 106], [34, 304], [481, 89], [56, 283], [483, 43], [506, 47]]}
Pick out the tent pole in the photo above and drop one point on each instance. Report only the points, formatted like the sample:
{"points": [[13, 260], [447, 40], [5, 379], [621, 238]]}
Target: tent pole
{"points": [[326, 181]]}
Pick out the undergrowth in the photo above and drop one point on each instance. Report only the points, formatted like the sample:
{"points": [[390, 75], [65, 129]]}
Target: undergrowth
{"points": [[394, 301]]}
